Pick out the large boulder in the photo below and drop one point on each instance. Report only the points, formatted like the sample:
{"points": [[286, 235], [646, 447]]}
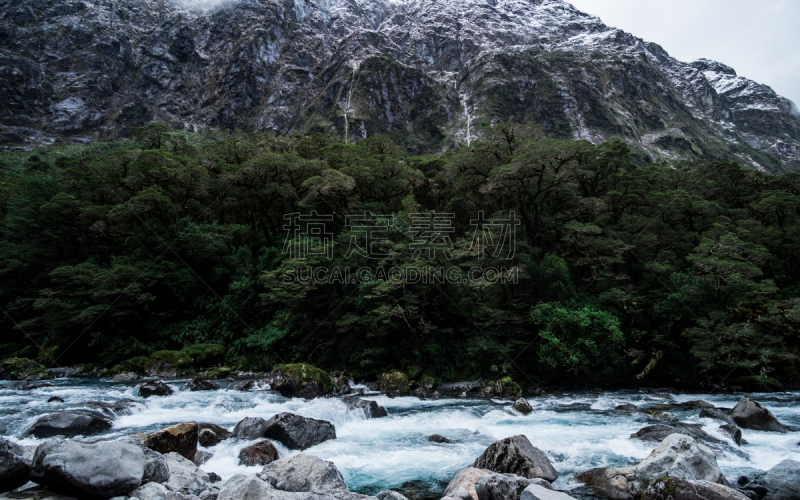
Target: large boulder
{"points": [[211, 435], [301, 381], [516, 455], [123, 407], [394, 384], [201, 384], [783, 481], [104, 469], [298, 433], [241, 487], [462, 484], [678, 456], [169, 364], [505, 486], [717, 414], [179, 438], [307, 474], [539, 492], [14, 469], [154, 388], [660, 432], [503, 388], [250, 428], [671, 488], [371, 409], [24, 369], [150, 491], [522, 406], [749, 414], [35, 493], [185, 477], [156, 469], [68, 424], [261, 453]]}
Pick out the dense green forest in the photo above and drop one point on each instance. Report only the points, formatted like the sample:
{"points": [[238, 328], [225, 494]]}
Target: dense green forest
{"points": [[681, 274]]}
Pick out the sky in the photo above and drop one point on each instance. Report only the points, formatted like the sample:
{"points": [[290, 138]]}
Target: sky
{"points": [[760, 40]]}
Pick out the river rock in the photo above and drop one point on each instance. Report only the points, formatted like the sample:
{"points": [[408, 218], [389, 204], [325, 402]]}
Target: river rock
{"points": [[717, 414], [341, 384], [301, 381], [671, 488], [298, 433], [664, 416], [505, 486], [68, 424], [749, 414], [184, 476], [627, 407], [783, 481], [516, 455], [733, 431], [522, 406], [261, 453], [660, 432], [156, 469], [462, 485], [123, 407], [250, 428], [678, 456], [125, 377], [371, 408], [390, 495], [179, 438], [14, 469], [55, 399], [703, 405], [154, 388], [436, 438], [307, 474], [394, 384], [35, 493], [539, 492], [201, 457], [104, 469], [241, 487], [244, 385], [150, 491], [211, 435], [199, 383]]}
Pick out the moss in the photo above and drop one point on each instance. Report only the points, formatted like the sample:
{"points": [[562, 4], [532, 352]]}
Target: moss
{"points": [[221, 372], [114, 370], [669, 488], [24, 367], [394, 382], [182, 363], [134, 364], [414, 372], [306, 374], [204, 354], [510, 388]]}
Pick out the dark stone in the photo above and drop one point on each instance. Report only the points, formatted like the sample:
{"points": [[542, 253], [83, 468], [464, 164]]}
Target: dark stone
{"points": [[250, 428], [749, 414], [717, 415], [179, 438], [301, 381], [245, 385], [115, 409], [154, 388], [658, 433], [733, 431], [627, 407], [703, 405], [298, 433], [516, 455], [156, 469], [214, 478], [260, 453], [671, 488], [68, 424], [14, 469], [211, 435], [783, 481], [505, 486], [371, 408], [436, 438], [200, 384], [55, 399]]}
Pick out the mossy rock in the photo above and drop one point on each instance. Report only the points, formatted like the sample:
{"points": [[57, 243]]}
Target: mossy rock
{"points": [[427, 382], [221, 372], [301, 381], [169, 364], [414, 372], [24, 369], [394, 383], [205, 354], [503, 388]]}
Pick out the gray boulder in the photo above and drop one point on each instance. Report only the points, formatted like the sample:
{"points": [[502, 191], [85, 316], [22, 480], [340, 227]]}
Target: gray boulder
{"points": [[627, 407], [241, 487], [703, 405], [211, 435], [678, 456], [783, 481], [717, 414], [538, 492], [199, 383], [298, 433], [184, 476], [156, 469], [660, 432], [462, 484], [154, 388], [68, 424], [733, 431], [390, 495], [505, 486], [516, 455], [116, 409], [104, 469], [307, 474], [150, 491], [436, 438], [250, 428], [14, 469], [370, 408], [522, 406], [35, 493], [671, 488], [749, 414], [663, 416]]}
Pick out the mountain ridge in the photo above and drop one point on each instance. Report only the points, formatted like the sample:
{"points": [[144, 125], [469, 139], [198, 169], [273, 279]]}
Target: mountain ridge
{"points": [[434, 73]]}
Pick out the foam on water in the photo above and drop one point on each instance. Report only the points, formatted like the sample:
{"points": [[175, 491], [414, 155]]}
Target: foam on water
{"points": [[577, 431]]}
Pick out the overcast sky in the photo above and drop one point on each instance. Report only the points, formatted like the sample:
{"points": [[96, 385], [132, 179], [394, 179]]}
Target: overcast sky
{"points": [[760, 40]]}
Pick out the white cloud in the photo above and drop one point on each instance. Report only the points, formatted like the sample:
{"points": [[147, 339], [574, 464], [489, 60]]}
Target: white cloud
{"points": [[759, 40]]}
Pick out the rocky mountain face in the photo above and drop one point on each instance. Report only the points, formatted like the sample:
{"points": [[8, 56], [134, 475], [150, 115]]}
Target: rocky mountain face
{"points": [[431, 73]]}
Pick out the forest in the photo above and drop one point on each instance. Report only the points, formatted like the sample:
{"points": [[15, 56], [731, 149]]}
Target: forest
{"points": [[625, 272]]}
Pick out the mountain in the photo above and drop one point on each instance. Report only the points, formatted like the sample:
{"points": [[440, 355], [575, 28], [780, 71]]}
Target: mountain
{"points": [[431, 73]]}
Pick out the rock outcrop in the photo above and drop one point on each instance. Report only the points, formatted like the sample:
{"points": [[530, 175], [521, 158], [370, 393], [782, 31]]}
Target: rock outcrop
{"points": [[14, 469], [154, 388], [68, 424], [516, 455], [201, 384], [179, 438], [298, 433], [261, 453], [301, 381], [749, 414], [505, 486], [671, 488]]}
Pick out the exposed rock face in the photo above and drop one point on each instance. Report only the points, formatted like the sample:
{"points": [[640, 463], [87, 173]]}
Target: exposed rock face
{"points": [[516, 455], [539, 492], [14, 469], [103, 469], [179, 438], [750, 414], [298, 433], [156, 469], [670, 488], [522, 406], [201, 384], [505, 486], [241, 487], [211, 435], [250, 428], [185, 477], [678, 456], [401, 67], [462, 485], [68, 424], [307, 474], [783, 481], [154, 388], [394, 384], [301, 381], [261, 453]]}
